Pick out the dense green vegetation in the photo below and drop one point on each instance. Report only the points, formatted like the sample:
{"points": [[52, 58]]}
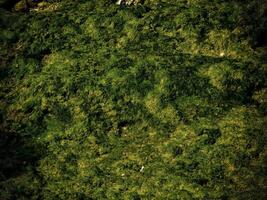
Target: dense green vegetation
{"points": [[165, 100]]}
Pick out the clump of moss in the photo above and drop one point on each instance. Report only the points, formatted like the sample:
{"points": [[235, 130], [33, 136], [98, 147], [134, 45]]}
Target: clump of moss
{"points": [[163, 100]]}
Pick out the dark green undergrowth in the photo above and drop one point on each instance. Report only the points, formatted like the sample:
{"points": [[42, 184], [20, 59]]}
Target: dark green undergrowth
{"points": [[165, 100]]}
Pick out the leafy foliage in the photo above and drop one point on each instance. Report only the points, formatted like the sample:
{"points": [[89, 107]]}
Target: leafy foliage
{"points": [[165, 100]]}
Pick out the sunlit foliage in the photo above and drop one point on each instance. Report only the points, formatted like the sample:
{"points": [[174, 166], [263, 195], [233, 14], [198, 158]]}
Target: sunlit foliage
{"points": [[160, 100]]}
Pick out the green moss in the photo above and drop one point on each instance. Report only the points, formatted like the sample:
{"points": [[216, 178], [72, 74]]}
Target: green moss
{"points": [[164, 100]]}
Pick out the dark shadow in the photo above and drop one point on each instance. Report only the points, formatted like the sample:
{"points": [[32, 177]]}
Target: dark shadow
{"points": [[261, 39], [15, 154], [9, 4]]}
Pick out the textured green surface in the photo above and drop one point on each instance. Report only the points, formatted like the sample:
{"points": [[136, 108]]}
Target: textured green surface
{"points": [[161, 101]]}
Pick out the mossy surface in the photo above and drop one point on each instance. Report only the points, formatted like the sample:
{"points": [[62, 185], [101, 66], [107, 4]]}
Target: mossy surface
{"points": [[165, 100]]}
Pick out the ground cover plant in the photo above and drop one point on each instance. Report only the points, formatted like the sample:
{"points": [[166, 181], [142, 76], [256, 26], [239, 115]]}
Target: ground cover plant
{"points": [[158, 100]]}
